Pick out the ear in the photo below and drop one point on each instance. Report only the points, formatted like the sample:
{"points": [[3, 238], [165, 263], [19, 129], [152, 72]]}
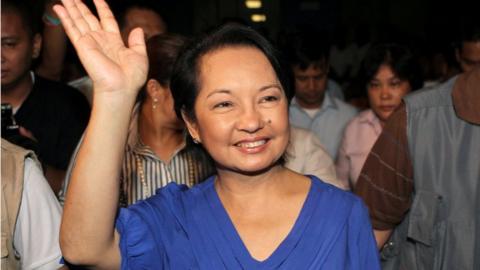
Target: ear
{"points": [[153, 88], [37, 46], [457, 55], [191, 126]]}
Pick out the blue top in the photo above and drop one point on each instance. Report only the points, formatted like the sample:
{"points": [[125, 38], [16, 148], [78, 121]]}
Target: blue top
{"points": [[328, 123], [181, 228]]}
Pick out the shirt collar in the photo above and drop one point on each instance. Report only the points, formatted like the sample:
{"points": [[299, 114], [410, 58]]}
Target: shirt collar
{"points": [[368, 116], [328, 102], [466, 96]]}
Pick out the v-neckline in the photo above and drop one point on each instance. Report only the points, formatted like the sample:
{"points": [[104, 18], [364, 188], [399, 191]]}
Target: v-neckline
{"points": [[232, 237]]}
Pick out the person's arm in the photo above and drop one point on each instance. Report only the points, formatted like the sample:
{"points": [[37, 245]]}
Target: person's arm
{"points": [[87, 234], [54, 45], [318, 162], [386, 180], [381, 236], [342, 164]]}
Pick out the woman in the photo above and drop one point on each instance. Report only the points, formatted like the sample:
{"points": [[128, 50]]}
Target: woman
{"points": [[389, 72], [156, 152], [254, 214]]}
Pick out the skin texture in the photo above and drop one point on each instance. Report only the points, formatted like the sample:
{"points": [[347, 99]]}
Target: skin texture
{"points": [[310, 85], [18, 51], [469, 55], [233, 112], [385, 92]]}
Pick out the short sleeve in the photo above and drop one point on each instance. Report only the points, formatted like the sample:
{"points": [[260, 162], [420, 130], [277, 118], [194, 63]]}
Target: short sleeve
{"points": [[138, 248], [363, 251], [38, 223]]}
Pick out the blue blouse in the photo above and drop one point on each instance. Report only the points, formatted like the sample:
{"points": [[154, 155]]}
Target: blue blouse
{"points": [[181, 228]]}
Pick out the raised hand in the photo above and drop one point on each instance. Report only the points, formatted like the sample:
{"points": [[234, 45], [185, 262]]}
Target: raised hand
{"points": [[113, 67]]}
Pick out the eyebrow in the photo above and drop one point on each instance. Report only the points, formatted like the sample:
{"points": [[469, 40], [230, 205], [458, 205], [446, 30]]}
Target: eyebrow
{"points": [[226, 91]]}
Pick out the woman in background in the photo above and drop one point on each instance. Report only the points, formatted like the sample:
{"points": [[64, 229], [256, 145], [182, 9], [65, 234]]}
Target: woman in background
{"points": [[389, 71], [157, 152]]}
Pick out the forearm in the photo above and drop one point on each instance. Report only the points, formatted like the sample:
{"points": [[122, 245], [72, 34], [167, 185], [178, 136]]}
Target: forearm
{"points": [[87, 231], [381, 237]]}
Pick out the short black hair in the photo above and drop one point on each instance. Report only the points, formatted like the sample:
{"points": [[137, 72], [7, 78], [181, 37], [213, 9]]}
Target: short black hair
{"points": [[307, 48], [469, 30], [121, 8], [185, 82], [28, 13], [398, 57]]}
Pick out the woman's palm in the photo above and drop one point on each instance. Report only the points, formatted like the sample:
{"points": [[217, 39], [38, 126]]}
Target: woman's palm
{"points": [[111, 65]]}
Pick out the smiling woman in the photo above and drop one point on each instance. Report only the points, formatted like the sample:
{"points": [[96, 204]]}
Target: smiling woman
{"points": [[229, 89]]}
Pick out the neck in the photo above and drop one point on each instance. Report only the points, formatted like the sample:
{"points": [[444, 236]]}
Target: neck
{"points": [[16, 93], [164, 141], [311, 105], [234, 187]]}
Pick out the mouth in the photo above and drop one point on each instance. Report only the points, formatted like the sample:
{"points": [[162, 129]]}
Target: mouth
{"points": [[387, 108], [252, 146]]}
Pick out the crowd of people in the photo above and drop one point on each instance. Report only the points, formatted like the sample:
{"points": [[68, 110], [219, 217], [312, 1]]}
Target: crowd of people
{"points": [[127, 146]]}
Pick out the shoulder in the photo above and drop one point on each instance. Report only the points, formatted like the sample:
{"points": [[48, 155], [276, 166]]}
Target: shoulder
{"points": [[440, 95], [359, 120], [344, 108], [59, 91], [336, 197]]}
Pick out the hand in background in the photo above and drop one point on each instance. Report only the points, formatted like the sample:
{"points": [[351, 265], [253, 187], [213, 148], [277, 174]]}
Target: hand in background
{"points": [[113, 67]]}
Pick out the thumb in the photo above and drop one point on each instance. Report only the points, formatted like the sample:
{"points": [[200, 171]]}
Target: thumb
{"points": [[136, 41]]}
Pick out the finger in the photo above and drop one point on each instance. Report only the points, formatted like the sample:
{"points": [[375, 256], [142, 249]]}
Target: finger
{"points": [[107, 20], [76, 16], [72, 31], [136, 41], [87, 15]]}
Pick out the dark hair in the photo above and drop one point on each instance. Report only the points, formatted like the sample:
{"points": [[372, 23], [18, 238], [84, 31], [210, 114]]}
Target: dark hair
{"points": [[399, 58], [469, 31], [121, 8], [185, 83], [162, 52], [26, 11], [307, 48]]}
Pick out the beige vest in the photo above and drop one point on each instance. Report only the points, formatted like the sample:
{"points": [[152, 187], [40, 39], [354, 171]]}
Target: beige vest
{"points": [[13, 161]]}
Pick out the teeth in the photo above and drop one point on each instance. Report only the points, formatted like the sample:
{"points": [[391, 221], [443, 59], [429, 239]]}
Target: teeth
{"points": [[252, 144]]}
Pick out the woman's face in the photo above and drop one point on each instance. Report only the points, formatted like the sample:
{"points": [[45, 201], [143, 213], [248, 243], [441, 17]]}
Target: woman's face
{"points": [[385, 92], [241, 110]]}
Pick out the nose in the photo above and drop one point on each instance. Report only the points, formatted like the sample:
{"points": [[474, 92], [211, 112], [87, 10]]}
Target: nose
{"points": [[385, 92], [311, 83], [250, 120]]}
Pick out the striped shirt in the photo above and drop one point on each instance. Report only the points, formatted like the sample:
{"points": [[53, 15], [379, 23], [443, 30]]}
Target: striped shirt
{"points": [[187, 166], [143, 172]]}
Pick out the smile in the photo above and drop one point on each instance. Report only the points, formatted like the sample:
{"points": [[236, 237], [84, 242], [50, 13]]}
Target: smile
{"points": [[251, 144]]}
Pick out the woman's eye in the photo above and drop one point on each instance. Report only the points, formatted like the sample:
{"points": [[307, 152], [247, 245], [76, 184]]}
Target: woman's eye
{"points": [[395, 83], [269, 99], [224, 104], [373, 85]]}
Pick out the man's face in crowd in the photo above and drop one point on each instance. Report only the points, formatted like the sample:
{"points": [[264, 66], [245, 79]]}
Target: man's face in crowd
{"points": [[468, 56], [19, 48], [150, 22], [310, 85]]}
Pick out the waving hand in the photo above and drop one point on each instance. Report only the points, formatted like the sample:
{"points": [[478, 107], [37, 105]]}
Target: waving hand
{"points": [[111, 65]]}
